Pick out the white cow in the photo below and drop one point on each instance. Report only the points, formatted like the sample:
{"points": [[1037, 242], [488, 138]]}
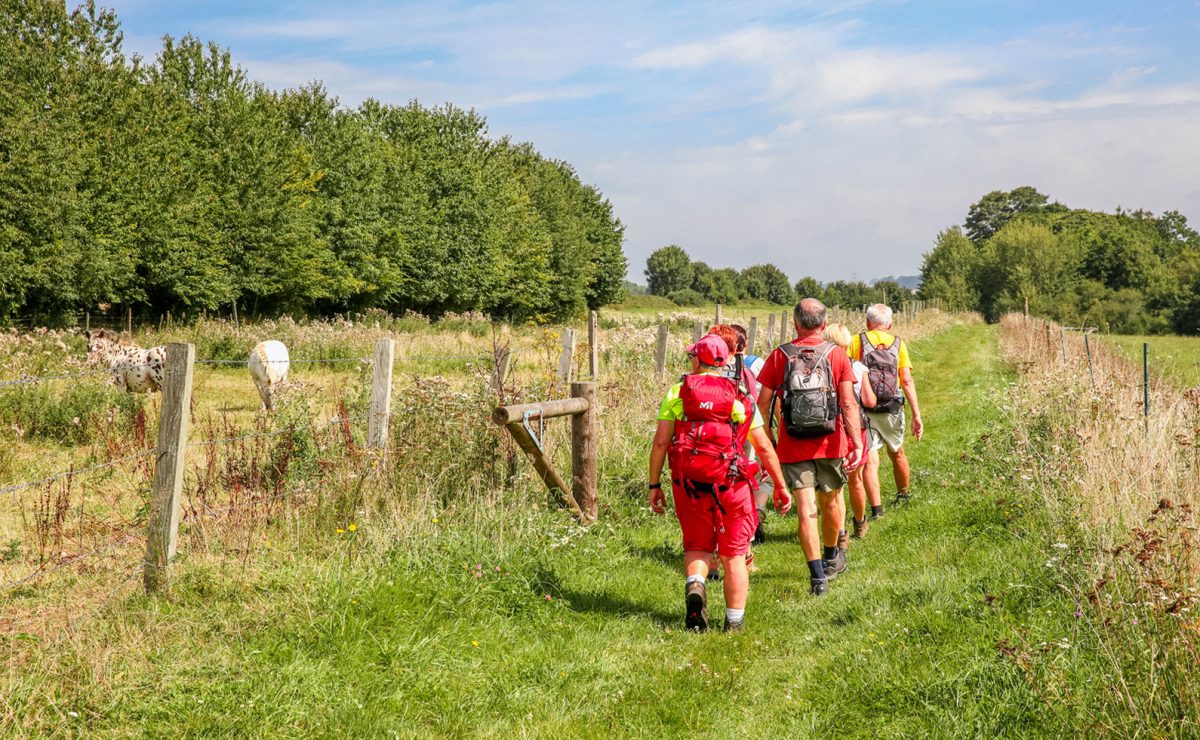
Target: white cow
{"points": [[268, 365]]}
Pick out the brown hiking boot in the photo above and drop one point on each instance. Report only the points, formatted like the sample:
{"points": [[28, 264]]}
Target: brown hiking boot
{"points": [[696, 602], [843, 540], [860, 528]]}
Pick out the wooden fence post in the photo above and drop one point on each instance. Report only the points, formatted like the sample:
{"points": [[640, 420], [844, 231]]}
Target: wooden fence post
{"points": [[162, 535], [718, 314], [697, 331], [594, 345], [783, 328], [236, 324], [771, 329], [583, 452], [660, 352], [500, 360], [129, 320], [87, 321], [381, 395], [568, 355], [752, 331]]}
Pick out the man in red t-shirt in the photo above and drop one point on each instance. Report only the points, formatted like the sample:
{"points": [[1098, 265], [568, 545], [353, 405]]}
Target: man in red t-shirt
{"points": [[815, 467]]}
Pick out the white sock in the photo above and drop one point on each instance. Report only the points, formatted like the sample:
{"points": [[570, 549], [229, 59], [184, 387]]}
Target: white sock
{"points": [[695, 579], [734, 615]]}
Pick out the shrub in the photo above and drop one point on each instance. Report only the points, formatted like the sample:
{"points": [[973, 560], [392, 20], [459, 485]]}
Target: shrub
{"points": [[687, 297]]}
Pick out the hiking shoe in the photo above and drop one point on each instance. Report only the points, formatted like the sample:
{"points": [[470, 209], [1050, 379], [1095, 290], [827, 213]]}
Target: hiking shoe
{"points": [[818, 586], [760, 533], [875, 516], [737, 626], [903, 497], [837, 565], [696, 602], [843, 540], [714, 574], [860, 528]]}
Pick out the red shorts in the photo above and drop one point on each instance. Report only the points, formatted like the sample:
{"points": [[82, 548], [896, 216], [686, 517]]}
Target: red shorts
{"points": [[707, 529]]}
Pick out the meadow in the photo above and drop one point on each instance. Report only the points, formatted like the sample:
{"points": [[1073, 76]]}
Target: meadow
{"points": [[1173, 357], [444, 593]]}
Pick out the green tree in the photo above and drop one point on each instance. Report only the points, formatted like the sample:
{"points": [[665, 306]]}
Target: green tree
{"points": [[948, 271], [767, 283], [807, 287], [668, 269], [998, 207]]}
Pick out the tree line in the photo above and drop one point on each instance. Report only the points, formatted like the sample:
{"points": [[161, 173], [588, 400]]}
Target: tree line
{"points": [[1126, 272], [181, 185], [671, 273]]}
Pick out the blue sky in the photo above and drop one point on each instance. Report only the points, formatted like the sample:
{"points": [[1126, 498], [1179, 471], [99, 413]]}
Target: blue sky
{"points": [[834, 139]]}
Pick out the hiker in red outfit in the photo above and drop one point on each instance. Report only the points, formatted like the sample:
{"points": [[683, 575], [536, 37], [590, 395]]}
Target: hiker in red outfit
{"points": [[808, 393], [703, 425]]}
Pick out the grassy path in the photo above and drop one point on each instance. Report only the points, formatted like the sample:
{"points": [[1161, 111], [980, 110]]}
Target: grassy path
{"points": [[579, 632]]}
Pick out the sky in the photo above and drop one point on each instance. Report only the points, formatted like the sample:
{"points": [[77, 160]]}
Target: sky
{"points": [[834, 139]]}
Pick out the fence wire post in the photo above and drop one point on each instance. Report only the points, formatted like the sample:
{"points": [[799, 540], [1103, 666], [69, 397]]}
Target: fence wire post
{"points": [[163, 533], [1146, 388], [697, 331], [566, 359], [1062, 340], [770, 338], [660, 352], [1087, 346], [583, 452], [381, 395], [783, 328], [594, 345], [752, 333], [718, 314]]}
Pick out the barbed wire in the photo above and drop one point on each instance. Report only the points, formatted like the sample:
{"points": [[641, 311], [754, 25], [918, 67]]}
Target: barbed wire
{"points": [[72, 473], [30, 379], [277, 432], [69, 560], [288, 361]]}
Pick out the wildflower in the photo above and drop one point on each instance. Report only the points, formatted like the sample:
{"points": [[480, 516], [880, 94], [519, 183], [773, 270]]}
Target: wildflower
{"points": [[435, 520], [474, 643], [339, 530], [549, 597], [353, 527], [1060, 545], [1135, 621], [1078, 614]]}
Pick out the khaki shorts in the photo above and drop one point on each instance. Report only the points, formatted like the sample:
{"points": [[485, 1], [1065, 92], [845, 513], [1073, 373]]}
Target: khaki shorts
{"points": [[887, 429], [822, 475]]}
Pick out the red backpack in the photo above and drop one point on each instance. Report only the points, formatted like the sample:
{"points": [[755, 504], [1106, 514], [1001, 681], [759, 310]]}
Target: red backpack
{"points": [[706, 453]]}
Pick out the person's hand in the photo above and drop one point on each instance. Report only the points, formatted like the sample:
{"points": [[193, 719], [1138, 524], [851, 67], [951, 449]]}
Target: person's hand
{"points": [[918, 427], [658, 501], [783, 499], [854, 459]]}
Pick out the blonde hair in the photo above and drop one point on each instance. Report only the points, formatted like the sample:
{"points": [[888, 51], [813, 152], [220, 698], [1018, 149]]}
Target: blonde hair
{"points": [[839, 334]]}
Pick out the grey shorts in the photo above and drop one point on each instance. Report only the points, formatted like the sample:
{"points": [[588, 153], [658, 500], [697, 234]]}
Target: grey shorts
{"points": [[886, 429], [822, 475]]}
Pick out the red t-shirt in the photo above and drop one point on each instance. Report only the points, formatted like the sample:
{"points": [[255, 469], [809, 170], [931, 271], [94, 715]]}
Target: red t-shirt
{"points": [[790, 449]]}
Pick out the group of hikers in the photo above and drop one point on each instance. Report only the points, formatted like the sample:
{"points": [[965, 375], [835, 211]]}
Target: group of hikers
{"points": [[739, 431]]}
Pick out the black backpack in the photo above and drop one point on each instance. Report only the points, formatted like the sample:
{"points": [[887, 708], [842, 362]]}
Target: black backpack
{"points": [[883, 372], [808, 394]]}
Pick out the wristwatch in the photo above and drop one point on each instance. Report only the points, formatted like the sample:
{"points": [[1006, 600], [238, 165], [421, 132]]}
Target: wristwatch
{"points": [[652, 486]]}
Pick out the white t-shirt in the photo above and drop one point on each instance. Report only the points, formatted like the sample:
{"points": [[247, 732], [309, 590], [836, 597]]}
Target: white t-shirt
{"points": [[860, 370]]}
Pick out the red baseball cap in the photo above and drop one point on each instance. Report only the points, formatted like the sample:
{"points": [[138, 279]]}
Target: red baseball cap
{"points": [[711, 350]]}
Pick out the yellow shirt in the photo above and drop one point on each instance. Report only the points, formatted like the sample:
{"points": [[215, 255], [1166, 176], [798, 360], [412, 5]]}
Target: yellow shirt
{"points": [[672, 409], [877, 337]]}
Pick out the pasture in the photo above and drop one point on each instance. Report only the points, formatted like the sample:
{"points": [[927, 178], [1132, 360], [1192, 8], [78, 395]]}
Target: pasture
{"points": [[1174, 358], [444, 593]]}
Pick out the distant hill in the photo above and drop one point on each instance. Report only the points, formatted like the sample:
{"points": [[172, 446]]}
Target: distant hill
{"points": [[912, 282]]}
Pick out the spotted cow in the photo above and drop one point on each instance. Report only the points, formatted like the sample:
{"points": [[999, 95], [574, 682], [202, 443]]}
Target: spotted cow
{"points": [[134, 370]]}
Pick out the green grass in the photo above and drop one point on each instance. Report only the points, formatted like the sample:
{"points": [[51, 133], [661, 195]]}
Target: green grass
{"points": [[1174, 357], [527, 624]]}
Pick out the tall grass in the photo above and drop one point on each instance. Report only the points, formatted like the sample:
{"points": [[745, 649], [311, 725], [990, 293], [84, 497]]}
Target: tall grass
{"points": [[1124, 490]]}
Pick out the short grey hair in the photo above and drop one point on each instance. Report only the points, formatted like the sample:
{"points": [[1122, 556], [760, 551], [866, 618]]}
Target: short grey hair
{"points": [[879, 315], [809, 314]]}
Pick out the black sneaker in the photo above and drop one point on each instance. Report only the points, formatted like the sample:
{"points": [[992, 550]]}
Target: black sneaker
{"points": [[837, 565], [818, 586], [737, 626], [903, 497], [760, 533], [696, 602], [714, 574]]}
